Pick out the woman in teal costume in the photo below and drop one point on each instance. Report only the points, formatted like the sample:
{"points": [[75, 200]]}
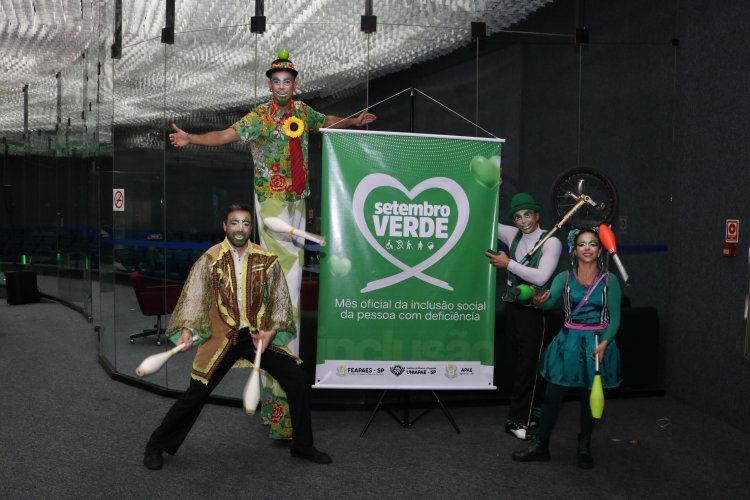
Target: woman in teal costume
{"points": [[591, 297]]}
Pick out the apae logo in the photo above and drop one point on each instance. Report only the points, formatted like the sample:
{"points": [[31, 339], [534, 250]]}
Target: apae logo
{"points": [[397, 370]]}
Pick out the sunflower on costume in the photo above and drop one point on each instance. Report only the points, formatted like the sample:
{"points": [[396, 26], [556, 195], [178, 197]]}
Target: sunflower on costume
{"points": [[294, 127]]}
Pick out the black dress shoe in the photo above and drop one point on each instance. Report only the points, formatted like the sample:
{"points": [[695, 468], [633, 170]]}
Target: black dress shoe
{"points": [[311, 454], [537, 451], [152, 459]]}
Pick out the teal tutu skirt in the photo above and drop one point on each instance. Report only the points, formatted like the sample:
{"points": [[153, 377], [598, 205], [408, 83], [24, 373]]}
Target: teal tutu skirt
{"points": [[567, 360]]}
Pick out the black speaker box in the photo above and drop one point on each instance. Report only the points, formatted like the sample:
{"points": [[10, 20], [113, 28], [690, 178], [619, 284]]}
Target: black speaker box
{"points": [[21, 287]]}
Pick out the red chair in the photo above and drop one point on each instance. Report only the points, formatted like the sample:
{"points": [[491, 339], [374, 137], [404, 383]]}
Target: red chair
{"points": [[309, 295], [154, 300]]}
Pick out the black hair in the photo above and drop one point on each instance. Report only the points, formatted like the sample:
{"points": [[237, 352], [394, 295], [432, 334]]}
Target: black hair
{"points": [[234, 207]]}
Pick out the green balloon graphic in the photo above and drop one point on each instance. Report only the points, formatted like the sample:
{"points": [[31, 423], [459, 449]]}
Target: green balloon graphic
{"points": [[340, 266], [485, 171]]}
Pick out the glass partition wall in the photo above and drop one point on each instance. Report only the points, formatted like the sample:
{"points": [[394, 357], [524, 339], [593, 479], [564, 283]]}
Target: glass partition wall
{"points": [[47, 161], [101, 125]]}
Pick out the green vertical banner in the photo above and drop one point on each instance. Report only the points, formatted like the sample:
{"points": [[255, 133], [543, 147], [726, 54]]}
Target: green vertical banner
{"points": [[407, 296]]}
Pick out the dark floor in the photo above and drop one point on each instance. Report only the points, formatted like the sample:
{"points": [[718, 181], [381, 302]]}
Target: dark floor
{"points": [[68, 431]]}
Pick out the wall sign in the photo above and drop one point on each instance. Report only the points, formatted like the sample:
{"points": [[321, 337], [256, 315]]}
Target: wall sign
{"points": [[118, 200]]}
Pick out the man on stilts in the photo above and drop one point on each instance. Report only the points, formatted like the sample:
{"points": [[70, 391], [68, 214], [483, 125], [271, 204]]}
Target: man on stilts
{"points": [[279, 132]]}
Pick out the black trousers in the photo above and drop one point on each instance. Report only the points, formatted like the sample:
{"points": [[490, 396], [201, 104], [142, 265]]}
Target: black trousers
{"points": [[184, 412], [526, 337]]}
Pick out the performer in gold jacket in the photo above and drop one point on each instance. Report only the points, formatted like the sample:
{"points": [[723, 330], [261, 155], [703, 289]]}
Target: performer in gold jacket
{"points": [[235, 295]]}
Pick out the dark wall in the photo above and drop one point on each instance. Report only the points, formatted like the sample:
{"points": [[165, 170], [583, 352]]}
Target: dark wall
{"points": [[706, 327], [667, 122], [607, 105]]}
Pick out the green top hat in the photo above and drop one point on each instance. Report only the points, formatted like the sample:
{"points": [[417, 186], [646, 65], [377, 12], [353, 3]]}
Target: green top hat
{"points": [[521, 201]]}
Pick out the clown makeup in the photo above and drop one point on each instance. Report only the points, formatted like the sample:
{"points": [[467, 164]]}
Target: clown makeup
{"points": [[237, 228], [526, 220], [590, 243], [587, 247], [282, 85]]}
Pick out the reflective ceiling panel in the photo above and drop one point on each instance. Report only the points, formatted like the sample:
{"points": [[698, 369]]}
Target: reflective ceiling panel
{"points": [[212, 65]]}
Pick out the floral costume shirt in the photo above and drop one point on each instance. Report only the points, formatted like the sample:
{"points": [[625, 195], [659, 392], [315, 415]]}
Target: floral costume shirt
{"points": [[264, 126]]}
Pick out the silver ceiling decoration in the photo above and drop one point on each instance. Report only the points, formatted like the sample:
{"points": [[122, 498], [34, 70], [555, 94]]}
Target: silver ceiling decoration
{"points": [[215, 63]]}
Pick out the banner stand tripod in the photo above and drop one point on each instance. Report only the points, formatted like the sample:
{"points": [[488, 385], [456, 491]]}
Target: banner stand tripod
{"points": [[405, 421]]}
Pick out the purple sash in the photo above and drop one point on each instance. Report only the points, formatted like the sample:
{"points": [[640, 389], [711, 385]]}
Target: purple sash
{"points": [[580, 326]]}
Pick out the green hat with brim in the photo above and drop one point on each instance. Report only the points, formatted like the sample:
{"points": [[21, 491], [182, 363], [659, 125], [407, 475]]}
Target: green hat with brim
{"points": [[521, 201]]}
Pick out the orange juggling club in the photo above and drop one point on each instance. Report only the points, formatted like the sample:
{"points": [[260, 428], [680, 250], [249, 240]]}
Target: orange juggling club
{"points": [[607, 238]]}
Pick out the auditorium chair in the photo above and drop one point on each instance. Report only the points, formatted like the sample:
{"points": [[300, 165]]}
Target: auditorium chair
{"points": [[154, 300]]}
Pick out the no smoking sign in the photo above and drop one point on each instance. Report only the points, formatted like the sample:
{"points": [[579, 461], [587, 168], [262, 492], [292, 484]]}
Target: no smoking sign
{"points": [[118, 200], [733, 231]]}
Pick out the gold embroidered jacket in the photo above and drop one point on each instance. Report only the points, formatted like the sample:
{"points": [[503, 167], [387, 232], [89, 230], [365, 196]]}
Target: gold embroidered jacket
{"points": [[208, 303]]}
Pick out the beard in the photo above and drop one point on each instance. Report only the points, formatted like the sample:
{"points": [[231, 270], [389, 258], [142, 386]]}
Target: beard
{"points": [[233, 239]]}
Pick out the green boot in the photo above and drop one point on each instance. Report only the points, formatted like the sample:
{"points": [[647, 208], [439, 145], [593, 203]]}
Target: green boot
{"points": [[585, 460], [536, 451]]}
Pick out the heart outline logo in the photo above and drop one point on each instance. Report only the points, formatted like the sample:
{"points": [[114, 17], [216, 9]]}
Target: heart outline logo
{"points": [[373, 181]]}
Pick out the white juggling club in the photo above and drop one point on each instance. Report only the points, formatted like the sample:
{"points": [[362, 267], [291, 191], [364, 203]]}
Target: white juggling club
{"points": [[153, 363], [251, 395], [280, 226]]}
